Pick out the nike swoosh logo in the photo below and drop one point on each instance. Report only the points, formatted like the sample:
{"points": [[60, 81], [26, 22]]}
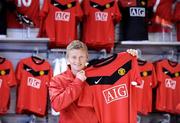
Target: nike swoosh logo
{"points": [[166, 72], [28, 69], [27, 21], [95, 6], [55, 4], [96, 82]]}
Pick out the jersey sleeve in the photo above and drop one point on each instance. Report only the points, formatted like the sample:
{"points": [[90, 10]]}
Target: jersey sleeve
{"points": [[12, 78], [42, 16], [136, 77], [86, 98], [159, 72], [164, 9], [19, 71], [79, 12], [117, 14], [50, 75], [45, 8], [177, 12], [154, 78], [85, 7], [62, 95]]}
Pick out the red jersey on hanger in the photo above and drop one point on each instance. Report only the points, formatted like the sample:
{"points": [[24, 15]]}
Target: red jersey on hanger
{"points": [[110, 90], [144, 91], [134, 16], [33, 78], [28, 8], [59, 21], [168, 91], [98, 23], [164, 9], [7, 79]]}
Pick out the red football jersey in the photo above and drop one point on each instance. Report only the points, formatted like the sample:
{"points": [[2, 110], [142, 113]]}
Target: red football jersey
{"points": [[164, 9], [153, 27], [33, 76], [28, 8], [59, 21], [144, 91], [110, 89], [168, 76], [177, 19], [98, 23], [134, 17], [7, 79]]}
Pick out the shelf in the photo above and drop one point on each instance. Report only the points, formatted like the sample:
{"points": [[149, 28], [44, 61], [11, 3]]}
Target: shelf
{"points": [[23, 44], [24, 40], [150, 43], [148, 47]]}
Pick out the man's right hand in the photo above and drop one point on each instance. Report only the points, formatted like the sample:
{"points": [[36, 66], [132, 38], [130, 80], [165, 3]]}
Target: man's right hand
{"points": [[81, 75]]}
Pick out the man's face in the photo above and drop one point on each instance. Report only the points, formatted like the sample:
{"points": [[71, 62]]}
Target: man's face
{"points": [[77, 59]]}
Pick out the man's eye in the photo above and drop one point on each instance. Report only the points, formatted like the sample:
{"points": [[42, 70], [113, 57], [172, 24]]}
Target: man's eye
{"points": [[74, 57]]}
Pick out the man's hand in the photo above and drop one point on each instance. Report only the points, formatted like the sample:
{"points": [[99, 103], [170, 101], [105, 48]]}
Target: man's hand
{"points": [[81, 75], [133, 52]]}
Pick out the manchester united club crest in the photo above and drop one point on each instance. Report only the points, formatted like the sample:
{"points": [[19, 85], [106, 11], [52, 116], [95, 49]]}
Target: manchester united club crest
{"points": [[145, 73], [3, 72], [69, 5], [176, 74], [41, 72], [107, 5], [121, 71]]}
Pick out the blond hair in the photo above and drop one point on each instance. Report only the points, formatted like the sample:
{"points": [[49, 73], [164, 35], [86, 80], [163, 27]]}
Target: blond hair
{"points": [[76, 44]]}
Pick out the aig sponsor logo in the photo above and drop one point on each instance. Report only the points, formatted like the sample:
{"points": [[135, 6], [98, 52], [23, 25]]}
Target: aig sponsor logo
{"points": [[115, 93], [62, 16], [137, 12], [0, 83], [169, 83], [101, 16], [33, 82]]}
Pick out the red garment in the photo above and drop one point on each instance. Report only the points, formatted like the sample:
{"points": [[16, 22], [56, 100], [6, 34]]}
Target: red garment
{"points": [[130, 3], [59, 19], [29, 8], [178, 108], [154, 27], [168, 91], [7, 79], [144, 91], [164, 9], [177, 12], [98, 23], [110, 91], [151, 3], [64, 91], [178, 30], [127, 3], [33, 76], [161, 19], [177, 19]]}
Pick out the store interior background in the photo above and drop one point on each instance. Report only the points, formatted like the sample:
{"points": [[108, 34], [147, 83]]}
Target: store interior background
{"points": [[22, 43]]}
